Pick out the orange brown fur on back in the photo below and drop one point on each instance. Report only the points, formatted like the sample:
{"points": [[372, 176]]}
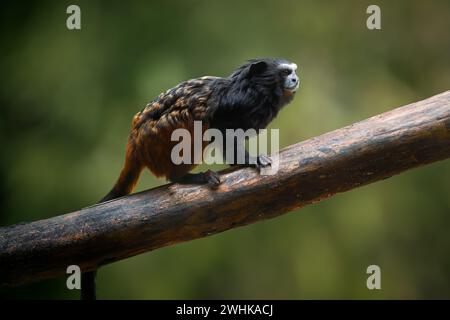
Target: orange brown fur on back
{"points": [[149, 144]]}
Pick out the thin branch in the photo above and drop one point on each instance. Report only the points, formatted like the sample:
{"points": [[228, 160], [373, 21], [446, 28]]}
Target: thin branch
{"points": [[309, 171]]}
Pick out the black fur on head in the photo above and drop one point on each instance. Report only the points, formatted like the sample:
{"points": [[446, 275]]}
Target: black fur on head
{"points": [[254, 93], [267, 73]]}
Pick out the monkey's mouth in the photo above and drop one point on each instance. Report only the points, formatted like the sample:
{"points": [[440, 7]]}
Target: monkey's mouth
{"points": [[294, 87]]}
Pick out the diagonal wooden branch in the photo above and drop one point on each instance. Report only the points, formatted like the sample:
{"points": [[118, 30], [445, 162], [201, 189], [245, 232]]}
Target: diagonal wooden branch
{"points": [[310, 171]]}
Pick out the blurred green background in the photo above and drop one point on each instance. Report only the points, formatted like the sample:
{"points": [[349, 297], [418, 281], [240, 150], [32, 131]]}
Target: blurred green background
{"points": [[67, 99]]}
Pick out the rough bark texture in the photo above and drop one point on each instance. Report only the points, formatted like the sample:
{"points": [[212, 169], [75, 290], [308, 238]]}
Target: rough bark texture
{"points": [[310, 171]]}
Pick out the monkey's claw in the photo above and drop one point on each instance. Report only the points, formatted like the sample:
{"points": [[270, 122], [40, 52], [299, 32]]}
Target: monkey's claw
{"points": [[212, 178], [263, 161]]}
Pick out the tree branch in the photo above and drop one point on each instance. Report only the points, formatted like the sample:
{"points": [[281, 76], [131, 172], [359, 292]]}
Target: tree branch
{"points": [[309, 171]]}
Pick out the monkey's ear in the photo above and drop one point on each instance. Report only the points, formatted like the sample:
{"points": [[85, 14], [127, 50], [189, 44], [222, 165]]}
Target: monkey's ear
{"points": [[257, 68]]}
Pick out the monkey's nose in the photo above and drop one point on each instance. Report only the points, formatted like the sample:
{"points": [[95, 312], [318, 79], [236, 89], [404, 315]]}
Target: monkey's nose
{"points": [[294, 80]]}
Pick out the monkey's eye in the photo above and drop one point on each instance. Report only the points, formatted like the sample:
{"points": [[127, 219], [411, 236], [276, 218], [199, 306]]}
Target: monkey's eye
{"points": [[286, 72]]}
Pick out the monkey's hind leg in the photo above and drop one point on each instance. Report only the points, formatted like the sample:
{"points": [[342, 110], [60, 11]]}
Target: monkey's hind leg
{"points": [[208, 177]]}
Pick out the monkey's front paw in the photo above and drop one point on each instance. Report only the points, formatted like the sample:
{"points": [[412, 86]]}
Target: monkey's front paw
{"points": [[212, 178], [263, 161]]}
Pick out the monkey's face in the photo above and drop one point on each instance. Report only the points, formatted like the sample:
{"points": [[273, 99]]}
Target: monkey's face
{"points": [[289, 77]]}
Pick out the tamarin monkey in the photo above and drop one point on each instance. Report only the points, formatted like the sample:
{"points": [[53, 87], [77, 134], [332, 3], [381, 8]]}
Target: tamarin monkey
{"points": [[249, 98]]}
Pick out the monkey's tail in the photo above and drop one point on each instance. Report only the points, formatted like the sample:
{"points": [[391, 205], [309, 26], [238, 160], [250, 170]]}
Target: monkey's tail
{"points": [[124, 185]]}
